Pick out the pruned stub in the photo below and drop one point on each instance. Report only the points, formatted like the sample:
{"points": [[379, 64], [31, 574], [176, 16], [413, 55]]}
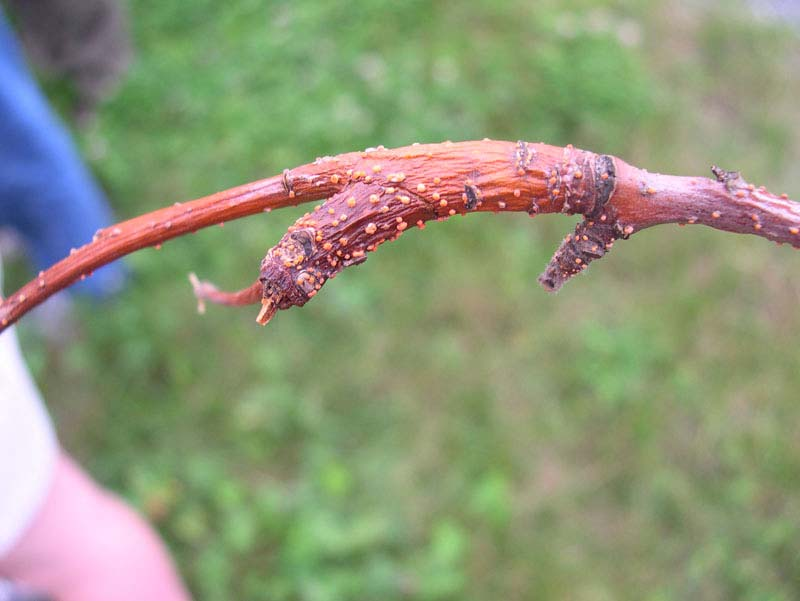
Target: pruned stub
{"points": [[591, 240], [581, 182]]}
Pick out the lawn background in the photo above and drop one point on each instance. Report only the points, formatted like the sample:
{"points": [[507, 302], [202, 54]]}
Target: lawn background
{"points": [[433, 425]]}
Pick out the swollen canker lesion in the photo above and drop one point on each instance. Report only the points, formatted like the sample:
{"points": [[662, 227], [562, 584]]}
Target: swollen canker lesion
{"points": [[595, 235]]}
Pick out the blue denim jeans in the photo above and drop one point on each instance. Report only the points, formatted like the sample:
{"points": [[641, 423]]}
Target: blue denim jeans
{"points": [[47, 194]]}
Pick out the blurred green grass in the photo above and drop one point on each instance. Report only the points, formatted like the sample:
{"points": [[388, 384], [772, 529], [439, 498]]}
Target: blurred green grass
{"points": [[434, 426]]}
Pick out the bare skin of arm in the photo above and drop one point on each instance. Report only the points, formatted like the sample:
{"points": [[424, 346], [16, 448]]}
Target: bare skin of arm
{"points": [[375, 196], [85, 544]]}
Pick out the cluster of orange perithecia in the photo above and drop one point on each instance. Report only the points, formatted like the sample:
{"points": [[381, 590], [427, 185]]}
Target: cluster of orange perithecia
{"points": [[286, 278], [378, 197], [338, 233], [374, 204], [748, 197], [374, 196]]}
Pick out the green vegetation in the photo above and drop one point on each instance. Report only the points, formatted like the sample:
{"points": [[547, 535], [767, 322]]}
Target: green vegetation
{"points": [[433, 425]]}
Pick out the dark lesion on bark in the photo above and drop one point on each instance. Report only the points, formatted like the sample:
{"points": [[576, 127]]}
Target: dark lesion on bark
{"points": [[524, 155], [472, 196], [605, 182], [286, 182], [595, 235], [729, 178]]}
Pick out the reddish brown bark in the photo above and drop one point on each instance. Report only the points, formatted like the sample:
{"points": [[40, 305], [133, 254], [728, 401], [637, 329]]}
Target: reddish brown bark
{"points": [[376, 195]]}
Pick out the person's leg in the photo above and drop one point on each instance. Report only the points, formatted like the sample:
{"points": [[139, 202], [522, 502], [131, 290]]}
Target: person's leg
{"points": [[87, 545], [60, 533], [47, 193]]}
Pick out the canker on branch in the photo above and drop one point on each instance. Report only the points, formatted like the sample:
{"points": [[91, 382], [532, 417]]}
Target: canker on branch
{"points": [[375, 196]]}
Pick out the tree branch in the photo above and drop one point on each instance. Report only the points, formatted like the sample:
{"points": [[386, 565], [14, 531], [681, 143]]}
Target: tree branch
{"points": [[376, 195]]}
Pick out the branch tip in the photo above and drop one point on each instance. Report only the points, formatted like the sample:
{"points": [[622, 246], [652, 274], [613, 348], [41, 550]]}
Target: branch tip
{"points": [[206, 291], [197, 290]]}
